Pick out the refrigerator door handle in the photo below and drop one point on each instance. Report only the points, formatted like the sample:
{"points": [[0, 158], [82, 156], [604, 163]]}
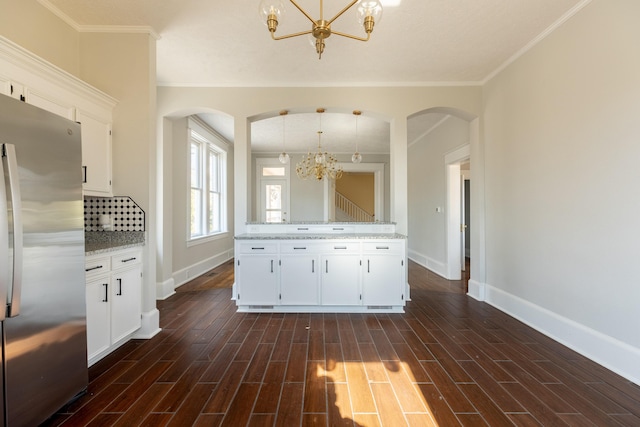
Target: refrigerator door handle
{"points": [[16, 207], [4, 240]]}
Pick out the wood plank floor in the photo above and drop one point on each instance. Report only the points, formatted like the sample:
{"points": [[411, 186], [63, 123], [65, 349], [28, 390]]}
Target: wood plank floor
{"points": [[448, 361]]}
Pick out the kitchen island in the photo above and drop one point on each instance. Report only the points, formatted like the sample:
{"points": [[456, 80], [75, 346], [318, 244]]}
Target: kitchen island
{"points": [[321, 267]]}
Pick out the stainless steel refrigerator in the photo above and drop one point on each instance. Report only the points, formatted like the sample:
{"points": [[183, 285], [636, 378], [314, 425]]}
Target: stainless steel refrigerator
{"points": [[44, 344]]}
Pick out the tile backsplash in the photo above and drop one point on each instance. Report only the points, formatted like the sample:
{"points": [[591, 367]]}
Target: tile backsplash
{"points": [[125, 214]]}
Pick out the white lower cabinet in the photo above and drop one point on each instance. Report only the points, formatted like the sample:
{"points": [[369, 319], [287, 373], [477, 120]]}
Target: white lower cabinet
{"points": [[114, 300], [256, 268], [341, 264], [299, 279], [319, 275], [383, 273]]}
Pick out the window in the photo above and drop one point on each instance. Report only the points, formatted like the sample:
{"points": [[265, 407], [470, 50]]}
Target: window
{"points": [[207, 201]]}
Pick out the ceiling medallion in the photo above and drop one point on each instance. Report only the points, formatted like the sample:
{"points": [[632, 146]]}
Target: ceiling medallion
{"points": [[369, 12]]}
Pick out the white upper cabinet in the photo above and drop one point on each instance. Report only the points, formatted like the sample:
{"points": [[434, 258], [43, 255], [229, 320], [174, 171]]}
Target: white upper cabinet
{"points": [[96, 154], [27, 77]]}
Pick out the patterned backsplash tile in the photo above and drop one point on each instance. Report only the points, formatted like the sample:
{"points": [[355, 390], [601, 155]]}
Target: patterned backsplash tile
{"points": [[125, 214]]}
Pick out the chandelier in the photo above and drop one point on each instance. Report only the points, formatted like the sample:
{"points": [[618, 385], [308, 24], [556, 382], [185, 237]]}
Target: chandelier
{"points": [[321, 164], [369, 12]]}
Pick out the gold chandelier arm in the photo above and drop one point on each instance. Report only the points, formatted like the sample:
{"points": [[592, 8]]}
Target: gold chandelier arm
{"points": [[304, 12], [288, 36], [341, 12], [349, 36]]}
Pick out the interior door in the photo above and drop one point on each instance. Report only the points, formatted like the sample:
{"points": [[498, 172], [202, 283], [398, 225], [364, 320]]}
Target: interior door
{"points": [[273, 200]]}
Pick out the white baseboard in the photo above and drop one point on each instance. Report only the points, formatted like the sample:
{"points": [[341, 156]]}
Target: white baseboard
{"points": [[181, 277], [165, 289], [430, 264], [609, 352], [476, 290], [150, 325]]}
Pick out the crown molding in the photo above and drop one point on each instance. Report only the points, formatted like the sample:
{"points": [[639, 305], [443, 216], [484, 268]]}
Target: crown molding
{"points": [[564, 18], [123, 29]]}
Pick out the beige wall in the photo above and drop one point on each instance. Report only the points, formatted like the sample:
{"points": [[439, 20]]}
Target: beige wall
{"points": [[562, 147], [36, 29], [358, 187]]}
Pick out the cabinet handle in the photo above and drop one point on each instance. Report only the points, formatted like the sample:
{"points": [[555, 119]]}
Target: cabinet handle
{"points": [[257, 249], [93, 268], [326, 268], [338, 228], [303, 228], [119, 287], [382, 247], [128, 259], [106, 292], [368, 271], [272, 266], [84, 174], [313, 264], [300, 248], [339, 247]]}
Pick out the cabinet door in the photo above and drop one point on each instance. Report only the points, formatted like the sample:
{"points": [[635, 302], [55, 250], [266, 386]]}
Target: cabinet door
{"points": [[382, 280], [126, 300], [98, 317], [96, 154], [340, 280], [257, 280], [299, 280]]}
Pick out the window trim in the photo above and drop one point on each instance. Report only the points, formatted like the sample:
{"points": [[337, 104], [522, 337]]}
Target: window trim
{"points": [[209, 142]]}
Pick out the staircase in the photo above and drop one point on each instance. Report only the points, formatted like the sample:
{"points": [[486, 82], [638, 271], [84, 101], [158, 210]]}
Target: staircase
{"points": [[347, 211]]}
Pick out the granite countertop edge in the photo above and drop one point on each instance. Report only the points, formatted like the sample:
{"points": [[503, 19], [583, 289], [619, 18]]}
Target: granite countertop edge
{"points": [[95, 250], [320, 223], [99, 242], [327, 236]]}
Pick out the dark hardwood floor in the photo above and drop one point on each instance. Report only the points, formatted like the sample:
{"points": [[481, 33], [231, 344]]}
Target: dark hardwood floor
{"points": [[448, 361]]}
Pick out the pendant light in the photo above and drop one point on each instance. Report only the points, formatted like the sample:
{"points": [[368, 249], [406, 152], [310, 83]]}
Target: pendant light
{"points": [[357, 157], [283, 157]]}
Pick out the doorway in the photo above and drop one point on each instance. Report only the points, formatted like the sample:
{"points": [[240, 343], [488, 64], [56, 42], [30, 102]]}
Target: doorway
{"points": [[456, 221]]}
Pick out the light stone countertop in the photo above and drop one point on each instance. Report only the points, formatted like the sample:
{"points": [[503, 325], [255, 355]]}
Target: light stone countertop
{"points": [[323, 236], [98, 242]]}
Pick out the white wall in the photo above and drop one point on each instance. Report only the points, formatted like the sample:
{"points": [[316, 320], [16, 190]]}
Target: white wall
{"points": [[562, 144], [427, 191]]}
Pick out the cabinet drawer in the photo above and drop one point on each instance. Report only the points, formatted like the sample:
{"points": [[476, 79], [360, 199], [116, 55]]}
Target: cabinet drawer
{"points": [[96, 266], [126, 259], [338, 247], [383, 247], [258, 247], [299, 247]]}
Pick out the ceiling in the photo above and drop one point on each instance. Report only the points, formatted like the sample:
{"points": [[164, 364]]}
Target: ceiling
{"points": [[417, 42]]}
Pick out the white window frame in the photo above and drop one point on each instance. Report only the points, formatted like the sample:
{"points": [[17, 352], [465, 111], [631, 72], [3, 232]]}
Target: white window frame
{"points": [[208, 143]]}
